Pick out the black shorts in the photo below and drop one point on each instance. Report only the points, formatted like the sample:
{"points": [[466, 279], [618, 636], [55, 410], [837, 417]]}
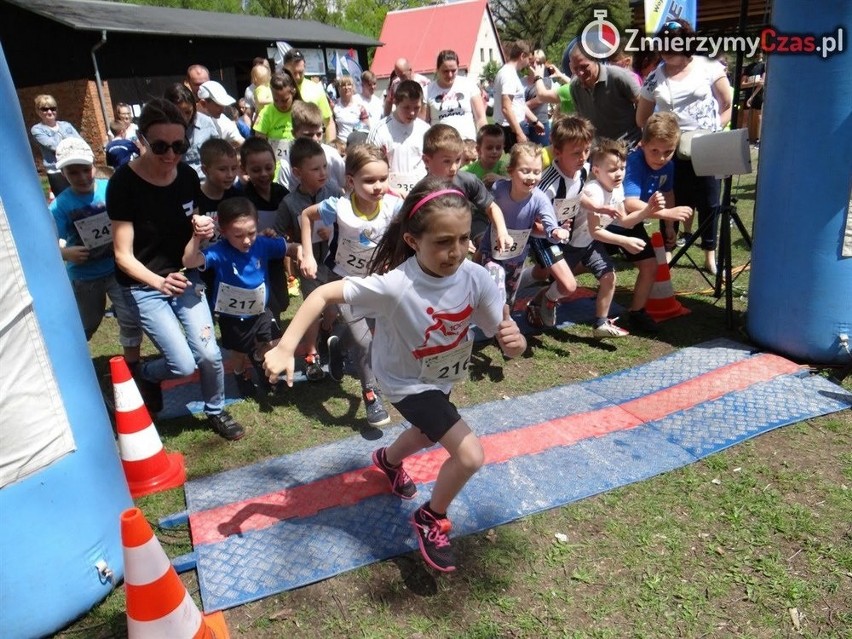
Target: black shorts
{"points": [[637, 231], [431, 412], [544, 252], [243, 334]]}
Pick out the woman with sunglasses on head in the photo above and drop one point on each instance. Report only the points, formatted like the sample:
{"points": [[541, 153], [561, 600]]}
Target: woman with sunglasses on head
{"points": [[48, 134], [152, 204], [697, 90]]}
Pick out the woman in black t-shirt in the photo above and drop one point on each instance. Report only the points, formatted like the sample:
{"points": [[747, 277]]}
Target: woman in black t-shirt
{"points": [[152, 204]]}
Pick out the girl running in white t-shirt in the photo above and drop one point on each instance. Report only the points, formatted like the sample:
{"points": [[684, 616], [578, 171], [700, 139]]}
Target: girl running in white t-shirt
{"points": [[424, 296]]}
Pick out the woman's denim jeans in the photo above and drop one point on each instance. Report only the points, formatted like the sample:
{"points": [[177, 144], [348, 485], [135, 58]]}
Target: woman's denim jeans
{"points": [[182, 329]]}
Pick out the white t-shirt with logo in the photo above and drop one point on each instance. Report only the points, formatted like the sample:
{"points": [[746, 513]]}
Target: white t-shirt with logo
{"points": [[421, 318], [452, 106]]}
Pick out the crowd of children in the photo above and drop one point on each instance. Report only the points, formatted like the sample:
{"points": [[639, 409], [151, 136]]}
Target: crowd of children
{"points": [[398, 243]]}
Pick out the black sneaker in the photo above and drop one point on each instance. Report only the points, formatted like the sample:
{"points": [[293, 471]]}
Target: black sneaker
{"points": [[641, 322], [533, 314], [401, 484], [335, 358], [433, 540], [226, 426], [152, 394], [376, 413], [245, 387], [313, 368]]}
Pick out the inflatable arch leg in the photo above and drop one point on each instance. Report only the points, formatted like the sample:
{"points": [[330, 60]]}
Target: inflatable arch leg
{"points": [[62, 489]]}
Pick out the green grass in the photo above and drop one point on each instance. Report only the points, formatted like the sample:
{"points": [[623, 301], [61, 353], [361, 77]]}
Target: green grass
{"points": [[722, 548]]}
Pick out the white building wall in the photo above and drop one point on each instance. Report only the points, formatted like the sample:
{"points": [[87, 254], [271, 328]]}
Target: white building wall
{"points": [[487, 48]]}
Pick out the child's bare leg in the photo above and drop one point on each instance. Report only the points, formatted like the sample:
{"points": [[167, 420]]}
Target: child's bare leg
{"points": [[308, 343], [565, 283], [409, 442], [466, 457], [606, 291], [644, 282]]}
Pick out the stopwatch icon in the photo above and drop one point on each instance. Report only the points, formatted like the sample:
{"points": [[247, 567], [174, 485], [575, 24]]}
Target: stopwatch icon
{"points": [[600, 38]]}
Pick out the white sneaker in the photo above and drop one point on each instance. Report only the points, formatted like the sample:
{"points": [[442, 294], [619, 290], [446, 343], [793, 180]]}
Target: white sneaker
{"points": [[609, 329]]}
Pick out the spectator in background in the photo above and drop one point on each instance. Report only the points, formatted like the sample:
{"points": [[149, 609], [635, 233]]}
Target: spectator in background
{"points": [[248, 94], [402, 71], [539, 107], [199, 126], [261, 76], [625, 60], [47, 135], [510, 105], [644, 62], [196, 75], [374, 104], [212, 100], [294, 62], [751, 83], [454, 99], [243, 117], [123, 113], [350, 113], [604, 94], [119, 151]]}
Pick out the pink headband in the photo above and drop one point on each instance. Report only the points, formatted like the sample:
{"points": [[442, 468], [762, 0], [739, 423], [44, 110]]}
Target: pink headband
{"points": [[432, 196]]}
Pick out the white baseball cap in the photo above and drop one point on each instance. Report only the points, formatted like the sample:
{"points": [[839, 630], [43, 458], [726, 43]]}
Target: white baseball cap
{"points": [[212, 90], [73, 151]]}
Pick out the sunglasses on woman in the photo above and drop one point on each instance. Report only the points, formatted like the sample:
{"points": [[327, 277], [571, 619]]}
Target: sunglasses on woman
{"points": [[159, 147], [45, 109]]}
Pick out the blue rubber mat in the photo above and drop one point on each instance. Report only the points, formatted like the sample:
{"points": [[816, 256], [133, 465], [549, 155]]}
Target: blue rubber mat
{"points": [[249, 543]]}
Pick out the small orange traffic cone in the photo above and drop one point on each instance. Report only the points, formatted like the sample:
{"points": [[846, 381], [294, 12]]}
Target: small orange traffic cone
{"points": [[147, 467], [158, 604], [662, 304]]}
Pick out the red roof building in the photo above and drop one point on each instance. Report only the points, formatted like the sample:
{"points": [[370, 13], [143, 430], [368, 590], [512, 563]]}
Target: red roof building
{"points": [[466, 27]]}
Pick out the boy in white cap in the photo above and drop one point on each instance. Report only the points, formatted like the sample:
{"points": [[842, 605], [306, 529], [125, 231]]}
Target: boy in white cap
{"points": [[212, 100], [85, 241]]}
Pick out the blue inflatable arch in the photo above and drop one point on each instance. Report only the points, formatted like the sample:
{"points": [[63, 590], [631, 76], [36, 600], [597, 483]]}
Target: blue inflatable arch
{"points": [[62, 489], [800, 290]]}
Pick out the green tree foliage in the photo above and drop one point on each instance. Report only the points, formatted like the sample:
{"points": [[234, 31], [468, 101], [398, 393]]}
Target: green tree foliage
{"points": [[551, 24], [489, 71], [223, 6]]}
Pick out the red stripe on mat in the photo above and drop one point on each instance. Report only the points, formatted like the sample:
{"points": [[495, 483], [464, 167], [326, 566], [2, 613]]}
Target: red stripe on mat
{"points": [[216, 524]]}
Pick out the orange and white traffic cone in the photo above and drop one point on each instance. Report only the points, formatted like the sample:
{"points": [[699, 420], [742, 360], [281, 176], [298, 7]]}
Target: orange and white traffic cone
{"points": [[147, 466], [662, 304], [158, 604]]}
